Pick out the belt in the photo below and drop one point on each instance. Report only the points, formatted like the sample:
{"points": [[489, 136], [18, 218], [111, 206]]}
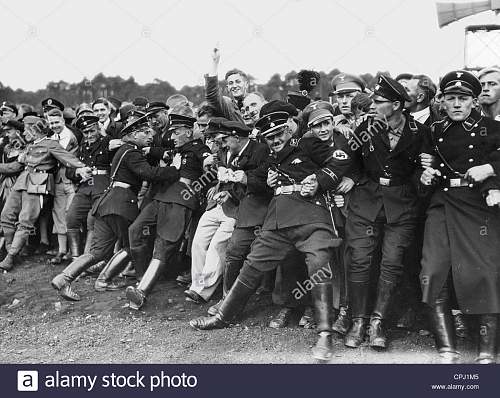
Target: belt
{"points": [[457, 183], [119, 184], [185, 180], [287, 189], [96, 172], [33, 170], [389, 182]]}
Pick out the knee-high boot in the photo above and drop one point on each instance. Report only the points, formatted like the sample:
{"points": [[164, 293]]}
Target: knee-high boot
{"points": [[74, 242], [137, 295], [385, 290], [488, 334], [442, 324], [322, 296], [232, 306], [358, 297], [88, 242], [114, 266], [62, 282], [13, 246]]}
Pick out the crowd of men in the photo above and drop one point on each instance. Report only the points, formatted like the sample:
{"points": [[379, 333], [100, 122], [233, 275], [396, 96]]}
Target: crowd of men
{"points": [[375, 208]]}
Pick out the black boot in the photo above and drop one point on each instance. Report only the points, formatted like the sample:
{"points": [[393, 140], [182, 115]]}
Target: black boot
{"points": [[488, 332], [322, 297], [343, 321], [443, 328], [88, 242], [74, 242], [14, 245], [137, 295], [117, 264], [233, 305], [62, 282], [378, 339], [358, 297]]}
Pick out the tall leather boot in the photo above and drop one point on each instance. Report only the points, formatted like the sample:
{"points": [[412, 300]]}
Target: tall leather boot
{"points": [[88, 242], [385, 290], [343, 321], [2, 242], [137, 295], [74, 242], [8, 238], [358, 297], [442, 325], [488, 332], [322, 296], [62, 282], [232, 306], [14, 247], [114, 266], [139, 261]]}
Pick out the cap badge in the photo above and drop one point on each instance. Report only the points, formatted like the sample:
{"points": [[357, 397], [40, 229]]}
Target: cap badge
{"points": [[271, 124], [342, 77], [458, 84], [49, 102], [459, 74], [313, 106]]}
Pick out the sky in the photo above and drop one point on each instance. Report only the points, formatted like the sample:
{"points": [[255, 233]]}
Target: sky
{"points": [[172, 40]]}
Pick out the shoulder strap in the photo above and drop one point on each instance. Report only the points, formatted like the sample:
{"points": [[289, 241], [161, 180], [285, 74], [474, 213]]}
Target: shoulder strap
{"points": [[112, 178]]}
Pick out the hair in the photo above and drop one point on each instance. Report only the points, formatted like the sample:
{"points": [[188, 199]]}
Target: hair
{"points": [[258, 94], [361, 101], [426, 85], [55, 112], [485, 71], [234, 72], [206, 109], [101, 100]]}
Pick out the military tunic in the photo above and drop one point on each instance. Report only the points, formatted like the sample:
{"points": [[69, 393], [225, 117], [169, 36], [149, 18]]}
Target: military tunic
{"points": [[462, 233]]}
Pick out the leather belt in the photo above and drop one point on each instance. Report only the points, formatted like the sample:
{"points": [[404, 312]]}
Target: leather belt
{"points": [[119, 184], [287, 189], [33, 170], [185, 180], [389, 182], [97, 172], [457, 183]]}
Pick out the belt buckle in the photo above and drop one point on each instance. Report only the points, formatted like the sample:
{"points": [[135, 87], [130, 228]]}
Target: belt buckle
{"points": [[384, 181], [455, 182], [94, 172], [287, 190]]}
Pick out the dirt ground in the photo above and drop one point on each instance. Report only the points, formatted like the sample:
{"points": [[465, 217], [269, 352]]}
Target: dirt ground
{"points": [[37, 326]]}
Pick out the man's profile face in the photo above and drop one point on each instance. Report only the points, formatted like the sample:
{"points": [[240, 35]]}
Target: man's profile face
{"points": [[251, 108], [143, 137], [158, 120], [384, 108], [101, 111], [411, 87], [278, 141], [237, 85], [56, 123], [490, 82], [458, 106]]}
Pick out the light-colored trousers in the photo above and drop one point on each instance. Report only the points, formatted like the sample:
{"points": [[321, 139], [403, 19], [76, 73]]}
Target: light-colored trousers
{"points": [[208, 251]]}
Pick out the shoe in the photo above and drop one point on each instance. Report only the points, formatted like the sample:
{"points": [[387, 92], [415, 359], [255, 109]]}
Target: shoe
{"points": [[356, 334], [343, 322], [358, 299], [461, 329], [58, 259], [62, 281], [7, 263], [307, 319], [194, 297], [378, 338], [184, 279], [214, 309], [282, 319], [112, 286], [67, 293], [208, 323], [136, 297]]}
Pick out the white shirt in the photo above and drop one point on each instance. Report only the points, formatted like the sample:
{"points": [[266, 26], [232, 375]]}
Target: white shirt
{"points": [[422, 116], [63, 137]]}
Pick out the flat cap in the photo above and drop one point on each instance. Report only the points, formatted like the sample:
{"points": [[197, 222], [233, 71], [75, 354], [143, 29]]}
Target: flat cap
{"points": [[390, 89], [51, 103], [272, 122], [9, 106], [181, 120], [69, 113], [345, 83], [153, 107], [460, 82], [83, 108], [226, 128], [86, 121], [140, 102], [404, 76]]}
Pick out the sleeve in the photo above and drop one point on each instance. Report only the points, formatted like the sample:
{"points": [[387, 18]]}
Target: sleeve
{"points": [[257, 179], [223, 105], [11, 168], [66, 158], [140, 167]]}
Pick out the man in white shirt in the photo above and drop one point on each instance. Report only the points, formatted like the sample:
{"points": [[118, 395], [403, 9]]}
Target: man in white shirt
{"points": [[421, 90]]}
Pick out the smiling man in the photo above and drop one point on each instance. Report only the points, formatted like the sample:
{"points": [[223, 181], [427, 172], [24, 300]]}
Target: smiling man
{"points": [[102, 109], [490, 96]]}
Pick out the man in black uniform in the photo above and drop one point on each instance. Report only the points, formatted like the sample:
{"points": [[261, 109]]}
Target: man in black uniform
{"points": [[297, 218], [117, 208], [94, 152], [462, 232], [171, 210], [382, 207]]}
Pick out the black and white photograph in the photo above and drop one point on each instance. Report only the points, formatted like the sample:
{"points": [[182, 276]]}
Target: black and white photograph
{"points": [[249, 182]]}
